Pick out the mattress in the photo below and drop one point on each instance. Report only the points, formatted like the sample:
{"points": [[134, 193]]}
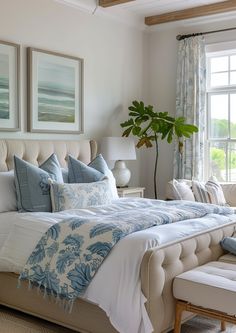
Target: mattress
{"points": [[116, 287]]}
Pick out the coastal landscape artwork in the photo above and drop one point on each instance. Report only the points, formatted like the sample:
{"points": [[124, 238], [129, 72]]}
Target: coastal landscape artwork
{"points": [[4, 87], [56, 99], [56, 93], [9, 86]]}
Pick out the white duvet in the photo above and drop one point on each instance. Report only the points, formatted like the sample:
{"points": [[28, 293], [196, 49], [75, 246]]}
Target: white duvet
{"points": [[116, 287]]}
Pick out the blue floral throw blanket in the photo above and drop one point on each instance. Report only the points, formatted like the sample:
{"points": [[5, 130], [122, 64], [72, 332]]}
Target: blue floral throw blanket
{"points": [[69, 254]]}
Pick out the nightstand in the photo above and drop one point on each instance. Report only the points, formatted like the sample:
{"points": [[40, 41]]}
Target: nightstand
{"points": [[131, 192]]}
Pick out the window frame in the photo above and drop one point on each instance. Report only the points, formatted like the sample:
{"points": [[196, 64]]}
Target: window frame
{"points": [[214, 51]]}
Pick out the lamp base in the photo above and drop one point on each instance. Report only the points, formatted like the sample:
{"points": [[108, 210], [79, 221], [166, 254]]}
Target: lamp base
{"points": [[121, 173]]}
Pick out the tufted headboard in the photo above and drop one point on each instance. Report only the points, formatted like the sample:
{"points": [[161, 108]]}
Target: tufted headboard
{"points": [[37, 151]]}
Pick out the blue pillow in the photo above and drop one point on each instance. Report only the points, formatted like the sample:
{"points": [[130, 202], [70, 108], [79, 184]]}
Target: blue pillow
{"points": [[79, 172], [32, 187], [229, 244]]}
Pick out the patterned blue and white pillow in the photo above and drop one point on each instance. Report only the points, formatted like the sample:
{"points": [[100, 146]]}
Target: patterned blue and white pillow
{"points": [[78, 172], [32, 186], [79, 195]]}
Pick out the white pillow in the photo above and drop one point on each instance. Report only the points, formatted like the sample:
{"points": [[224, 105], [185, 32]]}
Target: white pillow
{"points": [[79, 195], [179, 190], [209, 192], [7, 192]]}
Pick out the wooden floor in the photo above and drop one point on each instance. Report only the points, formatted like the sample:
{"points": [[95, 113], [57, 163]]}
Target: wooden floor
{"points": [[15, 322]]}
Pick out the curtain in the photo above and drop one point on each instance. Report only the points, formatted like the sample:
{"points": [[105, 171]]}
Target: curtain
{"points": [[190, 103]]}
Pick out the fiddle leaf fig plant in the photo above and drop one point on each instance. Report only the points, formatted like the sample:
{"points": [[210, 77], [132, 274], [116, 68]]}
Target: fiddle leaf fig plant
{"points": [[151, 126]]}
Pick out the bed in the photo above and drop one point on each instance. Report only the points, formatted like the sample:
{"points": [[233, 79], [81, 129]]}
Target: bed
{"points": [[159, 265]]}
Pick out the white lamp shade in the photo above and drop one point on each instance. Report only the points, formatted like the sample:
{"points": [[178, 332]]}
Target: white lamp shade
{"points": [[118, 148]]}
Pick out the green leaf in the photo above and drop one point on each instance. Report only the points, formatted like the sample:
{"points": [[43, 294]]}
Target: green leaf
{"points": [[155, 127], [133, 114], [170, 136], [136, 104], [127, 123], [136, 130], [138, 121], [127, 131], [144, 118], [132, 108]]}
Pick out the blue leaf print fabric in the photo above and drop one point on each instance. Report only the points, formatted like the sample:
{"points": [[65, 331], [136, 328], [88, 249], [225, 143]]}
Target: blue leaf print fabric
{"points": [[69, 254]]}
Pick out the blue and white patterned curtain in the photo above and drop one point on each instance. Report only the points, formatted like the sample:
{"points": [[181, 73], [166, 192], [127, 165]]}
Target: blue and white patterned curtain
{"points": [[190, 103]]}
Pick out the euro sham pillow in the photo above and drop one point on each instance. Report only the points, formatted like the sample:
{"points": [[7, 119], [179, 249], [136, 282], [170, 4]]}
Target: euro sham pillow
{"points": [[32, 186], [79, 195], [79, 172], [7, 192], [209, 192]]}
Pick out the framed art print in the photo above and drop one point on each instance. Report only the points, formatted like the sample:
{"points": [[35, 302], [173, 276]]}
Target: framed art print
{"points": [[9, 86], [55, 92]]}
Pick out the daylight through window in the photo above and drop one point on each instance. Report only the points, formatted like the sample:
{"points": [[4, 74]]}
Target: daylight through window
{"points": [[221, 115]]}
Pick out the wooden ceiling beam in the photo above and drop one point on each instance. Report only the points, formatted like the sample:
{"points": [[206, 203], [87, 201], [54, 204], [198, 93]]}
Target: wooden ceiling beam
{"points": [[211, 9], [109, 3]]}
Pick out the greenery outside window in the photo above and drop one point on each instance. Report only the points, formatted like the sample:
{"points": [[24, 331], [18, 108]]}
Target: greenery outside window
{"points": [[221, 116]]}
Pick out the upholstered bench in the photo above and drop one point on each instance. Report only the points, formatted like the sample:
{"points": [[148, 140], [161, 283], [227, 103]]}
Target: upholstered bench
{"points": [[208, 290]]}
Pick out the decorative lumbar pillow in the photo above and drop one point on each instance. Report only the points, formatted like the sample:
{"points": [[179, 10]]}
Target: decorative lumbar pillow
{"points": [[32, 186], [179, 190], [79, 195], [7, 192], [78, 172], [229, 244], [210, 192]]}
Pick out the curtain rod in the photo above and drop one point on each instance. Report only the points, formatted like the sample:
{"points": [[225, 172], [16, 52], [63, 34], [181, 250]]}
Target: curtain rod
{"points": [[180, 37]]}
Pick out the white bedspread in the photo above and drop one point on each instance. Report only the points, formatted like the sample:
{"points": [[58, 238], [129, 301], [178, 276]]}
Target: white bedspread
{"points": [[116, 287]]}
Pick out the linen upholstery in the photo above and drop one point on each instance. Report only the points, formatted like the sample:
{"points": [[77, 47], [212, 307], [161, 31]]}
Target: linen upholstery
{"points": [[37, 151], [162, 264], [159, 267], [230, 258], [211, 286]]}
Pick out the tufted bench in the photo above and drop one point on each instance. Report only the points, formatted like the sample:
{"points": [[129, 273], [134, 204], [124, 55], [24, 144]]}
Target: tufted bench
{"points": [[208, 290]]}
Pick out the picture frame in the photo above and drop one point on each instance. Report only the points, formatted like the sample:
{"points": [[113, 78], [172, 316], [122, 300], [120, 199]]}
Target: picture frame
{"points": [[55, 92], [9, 86]]}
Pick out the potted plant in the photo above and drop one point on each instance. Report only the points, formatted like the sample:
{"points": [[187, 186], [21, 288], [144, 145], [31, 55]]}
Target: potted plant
{"points": [[151, 126]]}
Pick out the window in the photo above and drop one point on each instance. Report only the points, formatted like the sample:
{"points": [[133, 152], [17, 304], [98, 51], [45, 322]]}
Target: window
{"points": [[221, 115]]}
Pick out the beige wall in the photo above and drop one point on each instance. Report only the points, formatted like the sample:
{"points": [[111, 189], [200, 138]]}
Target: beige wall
{"points": [[161, 86], [112, 52], [121, 64]]}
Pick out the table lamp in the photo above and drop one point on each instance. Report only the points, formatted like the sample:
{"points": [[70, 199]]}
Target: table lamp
{"points": [[119, 149]]}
